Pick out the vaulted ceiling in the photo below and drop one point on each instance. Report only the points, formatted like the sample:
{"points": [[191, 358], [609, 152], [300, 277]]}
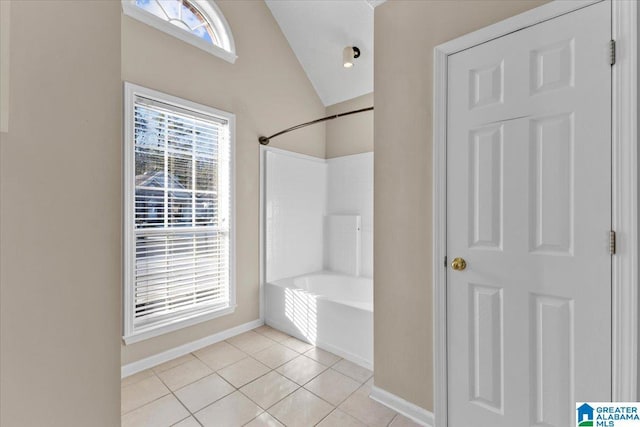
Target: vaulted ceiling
{"points": [[318, 31]]}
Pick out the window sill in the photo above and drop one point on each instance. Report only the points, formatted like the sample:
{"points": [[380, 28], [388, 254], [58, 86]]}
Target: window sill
{"points": [[155, 331]]}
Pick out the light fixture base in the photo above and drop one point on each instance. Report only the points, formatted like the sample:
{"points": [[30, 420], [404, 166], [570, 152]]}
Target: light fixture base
{"points": [[349, 53]]}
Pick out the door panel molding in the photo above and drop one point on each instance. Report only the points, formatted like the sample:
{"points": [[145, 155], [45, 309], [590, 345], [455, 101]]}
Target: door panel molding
{"points": [[624, 192]]}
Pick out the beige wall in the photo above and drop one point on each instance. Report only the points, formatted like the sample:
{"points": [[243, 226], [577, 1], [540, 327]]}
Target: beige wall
{"points": [[267, 90], [60, 217], [351, 134], [405, 34]]}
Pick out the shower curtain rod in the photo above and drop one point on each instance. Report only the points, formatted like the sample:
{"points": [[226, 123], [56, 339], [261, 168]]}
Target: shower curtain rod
{"points": [[264, 140]]}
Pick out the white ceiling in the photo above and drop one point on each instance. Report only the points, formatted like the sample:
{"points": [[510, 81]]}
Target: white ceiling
{"points": [[318, 31]]}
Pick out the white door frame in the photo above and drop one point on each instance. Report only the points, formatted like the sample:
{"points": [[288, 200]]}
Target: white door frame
{"points": [[625, 189]]}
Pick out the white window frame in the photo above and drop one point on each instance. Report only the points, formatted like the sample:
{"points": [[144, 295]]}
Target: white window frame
{"points": [[209, 10], [130, 335]]}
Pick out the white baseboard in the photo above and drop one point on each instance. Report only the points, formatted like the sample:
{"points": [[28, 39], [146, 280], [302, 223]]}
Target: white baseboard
{"points": [[401, 406], [360, 361], [165, 356]]}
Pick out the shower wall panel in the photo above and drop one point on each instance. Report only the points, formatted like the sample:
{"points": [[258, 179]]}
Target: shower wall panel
{"points": [[350, 192], [295, 205]]}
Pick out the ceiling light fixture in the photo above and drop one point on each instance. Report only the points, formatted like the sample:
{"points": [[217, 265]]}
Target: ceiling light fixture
{"points": [[349, 53]]}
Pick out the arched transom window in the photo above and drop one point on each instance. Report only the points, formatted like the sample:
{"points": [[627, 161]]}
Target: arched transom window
{"points": [[198, 22]]}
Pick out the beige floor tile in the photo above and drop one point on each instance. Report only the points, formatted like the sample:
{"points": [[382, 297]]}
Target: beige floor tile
{"points": [[261, 329], [297, 345], [219, 355], [264, 420], [251, 342], [332, 386], [402, 421], [163, 412], [173, 363], [132, 379], [203, 392], [275, 355], [322, 356], [352, 370], [367, 410], [189, 422], [301, 369], [269, 389], [141, 393], [186, 373], [231, 411], [339, 419], [243, 372], [271, 333], [300, 409]]}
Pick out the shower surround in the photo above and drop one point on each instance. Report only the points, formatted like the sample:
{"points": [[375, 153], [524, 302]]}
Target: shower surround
{"points": [[318, 250]]}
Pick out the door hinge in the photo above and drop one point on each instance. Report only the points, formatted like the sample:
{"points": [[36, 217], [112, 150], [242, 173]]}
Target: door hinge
{"points": [[612, 52], [612, 242], [445, 261]]}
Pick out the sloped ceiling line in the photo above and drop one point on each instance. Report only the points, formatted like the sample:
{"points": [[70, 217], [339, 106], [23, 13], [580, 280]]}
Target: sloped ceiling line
{"points": [[318, 30]]}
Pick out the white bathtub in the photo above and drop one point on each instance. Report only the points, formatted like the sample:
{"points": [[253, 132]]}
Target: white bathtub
{"points": [[330, 310]]}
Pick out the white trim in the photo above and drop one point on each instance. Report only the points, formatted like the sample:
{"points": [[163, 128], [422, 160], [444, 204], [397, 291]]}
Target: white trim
{"points": [[413, 412], [625, 202], [175, 326], [130, 335], [360, 361], [439, 230], [625, 191], [262, 229], [518, 22], [128, 205], [209, 9], [165, 356]]}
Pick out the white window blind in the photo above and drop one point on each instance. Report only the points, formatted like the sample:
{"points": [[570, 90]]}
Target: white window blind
{"points": [[181, 216]]}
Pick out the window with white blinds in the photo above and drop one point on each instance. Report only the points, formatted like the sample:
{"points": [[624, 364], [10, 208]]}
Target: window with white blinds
{"points": [[178, 251]]}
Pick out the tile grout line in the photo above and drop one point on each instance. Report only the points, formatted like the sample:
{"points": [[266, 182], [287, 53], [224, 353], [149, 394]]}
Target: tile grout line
{"points": [[334, 407], [178, 399], [151, 401], [238, 389], [220, 376], [345, 399], [289, 379], [248, 355], [191, 414], [164, 395]]}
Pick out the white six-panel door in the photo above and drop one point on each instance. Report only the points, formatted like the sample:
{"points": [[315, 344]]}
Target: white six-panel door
{"points": [[529, 209]]}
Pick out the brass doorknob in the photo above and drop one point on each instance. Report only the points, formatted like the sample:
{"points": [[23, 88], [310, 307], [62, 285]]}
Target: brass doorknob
{"points": [[459, 264]]}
